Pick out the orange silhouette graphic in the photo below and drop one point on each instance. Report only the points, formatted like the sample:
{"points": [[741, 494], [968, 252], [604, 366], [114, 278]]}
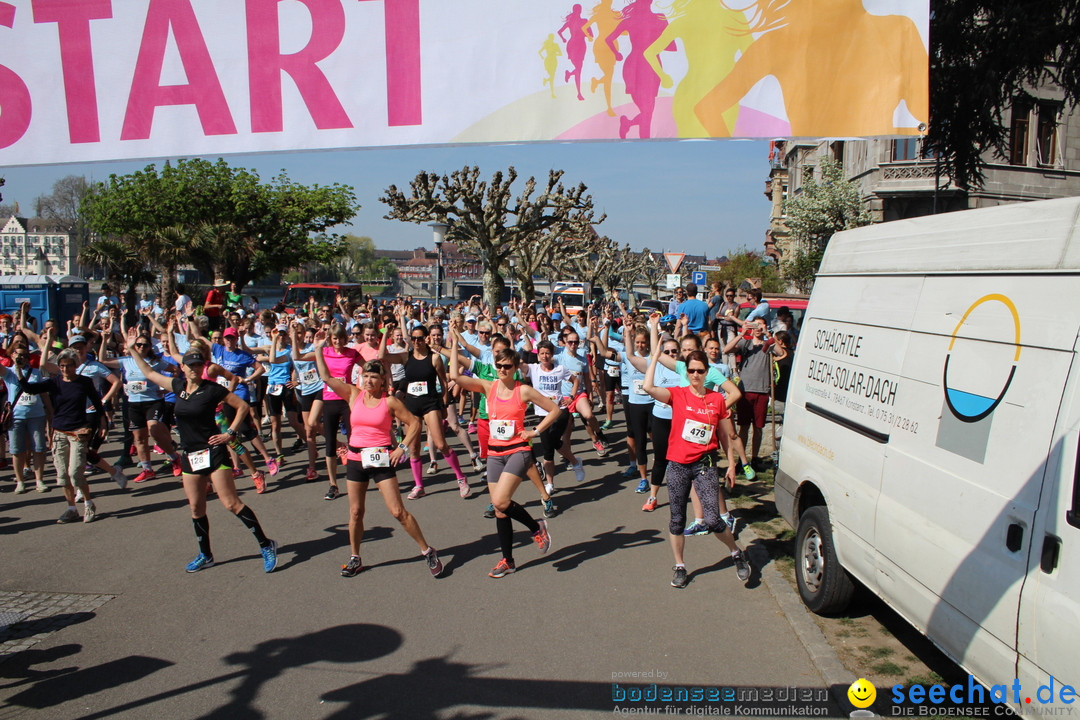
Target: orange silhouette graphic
{"points": [[831, 86], [712, 36], [604, 19]]}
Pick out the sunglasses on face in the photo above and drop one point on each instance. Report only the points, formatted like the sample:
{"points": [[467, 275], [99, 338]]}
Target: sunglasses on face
{"points": [[138, 345], [419, 337], [671, 352], [505, 366], [484, 332], [696, 371]]}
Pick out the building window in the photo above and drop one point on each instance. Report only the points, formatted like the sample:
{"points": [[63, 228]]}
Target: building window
{"points": [[1046, 136], [1018, 138], [905, 149]]}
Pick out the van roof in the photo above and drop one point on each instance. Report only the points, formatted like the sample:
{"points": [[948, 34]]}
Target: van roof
{"points": [[1040, 236]]}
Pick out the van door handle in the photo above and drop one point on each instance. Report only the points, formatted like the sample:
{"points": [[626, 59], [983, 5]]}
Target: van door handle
{"points": [[1050, 550], [1014, 537]]}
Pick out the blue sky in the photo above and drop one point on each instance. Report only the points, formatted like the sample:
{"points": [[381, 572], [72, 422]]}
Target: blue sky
{"points": [[700, 197]]}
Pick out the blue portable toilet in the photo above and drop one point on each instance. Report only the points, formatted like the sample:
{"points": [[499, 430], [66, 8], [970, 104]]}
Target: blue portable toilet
{"points": [[50, 296]]}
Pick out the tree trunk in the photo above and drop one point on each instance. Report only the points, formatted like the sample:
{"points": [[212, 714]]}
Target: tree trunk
{"points": [[493, 288], [168, 285], [527, 289]]}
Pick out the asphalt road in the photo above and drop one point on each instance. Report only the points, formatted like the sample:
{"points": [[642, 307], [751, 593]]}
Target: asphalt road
{"points": [[129, 634]]}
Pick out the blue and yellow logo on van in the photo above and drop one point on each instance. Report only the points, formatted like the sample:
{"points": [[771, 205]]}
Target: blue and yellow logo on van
{"points": [[980, 364]]}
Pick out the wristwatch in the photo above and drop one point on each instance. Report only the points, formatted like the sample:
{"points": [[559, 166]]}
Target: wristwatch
{"points": [[230, 432], [402, 446]]}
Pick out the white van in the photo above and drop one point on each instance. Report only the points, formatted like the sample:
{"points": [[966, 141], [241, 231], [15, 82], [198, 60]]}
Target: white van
{"points": [[931, 435]]}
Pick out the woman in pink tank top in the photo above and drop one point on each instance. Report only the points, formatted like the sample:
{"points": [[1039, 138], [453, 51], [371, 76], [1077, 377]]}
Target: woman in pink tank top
{"points": [[509, 450], [372, 454]]}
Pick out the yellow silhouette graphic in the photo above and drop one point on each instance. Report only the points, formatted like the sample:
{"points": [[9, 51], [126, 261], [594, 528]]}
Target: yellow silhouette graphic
{"points": [[551, 52], [712, 35], [604, 19], [842, 71]]}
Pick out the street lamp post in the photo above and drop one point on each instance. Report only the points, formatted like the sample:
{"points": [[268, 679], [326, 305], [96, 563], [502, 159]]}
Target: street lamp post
{"points": [[439, 232]]}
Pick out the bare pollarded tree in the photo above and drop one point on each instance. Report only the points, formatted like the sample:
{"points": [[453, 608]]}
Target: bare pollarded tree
{"points": [[488, 222]]}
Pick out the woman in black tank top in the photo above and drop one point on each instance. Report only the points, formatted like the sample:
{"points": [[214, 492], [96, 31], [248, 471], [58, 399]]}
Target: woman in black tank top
{"points": [[426, 400]]}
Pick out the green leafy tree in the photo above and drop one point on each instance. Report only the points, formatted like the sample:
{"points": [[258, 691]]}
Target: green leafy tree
{"points": [[238, 226], [746, 265], [822, 209], [985, 55], [487, 221]]}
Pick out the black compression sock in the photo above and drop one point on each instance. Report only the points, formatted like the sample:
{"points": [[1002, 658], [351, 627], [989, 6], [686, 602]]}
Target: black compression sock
{"points": [[202, 534], [247, 516], [505, 529], [522, 516]]}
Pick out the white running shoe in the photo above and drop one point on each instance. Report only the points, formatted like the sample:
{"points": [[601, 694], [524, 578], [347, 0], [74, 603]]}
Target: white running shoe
{"points": [[579, 470], [549, 488]]}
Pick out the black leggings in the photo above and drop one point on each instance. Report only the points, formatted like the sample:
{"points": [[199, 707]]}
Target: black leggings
{"points": [[552, 438], [637, 427], [334, 412], [660, 430]]}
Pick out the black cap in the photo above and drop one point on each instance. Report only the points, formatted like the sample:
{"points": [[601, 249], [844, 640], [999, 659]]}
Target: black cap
{"points": [[193, 358]]}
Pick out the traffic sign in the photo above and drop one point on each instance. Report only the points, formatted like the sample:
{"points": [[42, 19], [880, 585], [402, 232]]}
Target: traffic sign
{"points": [[674, 260], [673, 281], [698, 277]]}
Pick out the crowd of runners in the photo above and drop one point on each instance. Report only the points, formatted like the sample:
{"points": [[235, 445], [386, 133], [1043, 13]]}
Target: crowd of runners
{"points": [[354, 392]]}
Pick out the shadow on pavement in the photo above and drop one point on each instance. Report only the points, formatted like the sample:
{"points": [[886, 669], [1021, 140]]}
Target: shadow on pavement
{"points": [[571, 556]]}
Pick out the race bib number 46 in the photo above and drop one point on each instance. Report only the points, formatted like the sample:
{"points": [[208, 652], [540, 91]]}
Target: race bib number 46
{"points": [[697, 432], [502, 429]]}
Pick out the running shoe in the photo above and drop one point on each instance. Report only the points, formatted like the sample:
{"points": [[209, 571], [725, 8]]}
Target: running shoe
{"points": [[607, 425], [119, 478], [504, 568], [331, 493], [550, 510], [643, 486], [732, 523], [679, 580], [131, 450], [601, 448], [312, 474], [649, 505], [549, 488], [696, 528], [298, 446], [42, 487], [266, 420], [433, 468], [579, 471], [417, 492], [630, 471], [463, 488], [742, 565], [477, 463], [158, 450], [177, 471], [269, 554], [542, 537], [237, 472], [748, 471], [78, 495], [91, 513], [20, 488], [201, 562], [540, 470], [352, 568], [434, 564], [144, 476], [260, 482], [472, 428], [489, 511], [69, 516], [273, 466]]}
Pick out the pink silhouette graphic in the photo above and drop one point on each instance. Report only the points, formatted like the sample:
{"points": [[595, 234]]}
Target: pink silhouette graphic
{"points": [[643, 26], [575, 45]]}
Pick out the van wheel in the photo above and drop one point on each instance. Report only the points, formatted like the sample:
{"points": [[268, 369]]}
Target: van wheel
{"points": [[823, 584]]}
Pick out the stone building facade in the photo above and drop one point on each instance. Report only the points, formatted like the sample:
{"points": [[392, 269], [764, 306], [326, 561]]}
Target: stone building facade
{"points": [[37, 247], [896, 181]]}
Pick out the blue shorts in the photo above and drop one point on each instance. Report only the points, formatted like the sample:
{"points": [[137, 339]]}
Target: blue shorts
{"points": [[20, 429]]}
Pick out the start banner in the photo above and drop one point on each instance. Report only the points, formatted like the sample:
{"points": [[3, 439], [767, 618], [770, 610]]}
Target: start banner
{"points": [[84, 80]]}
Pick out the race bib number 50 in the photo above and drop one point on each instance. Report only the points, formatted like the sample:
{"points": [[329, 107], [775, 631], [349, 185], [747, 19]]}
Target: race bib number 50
{"points": [[374, 458]]}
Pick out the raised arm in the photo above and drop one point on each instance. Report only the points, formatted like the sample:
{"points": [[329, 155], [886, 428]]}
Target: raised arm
{"points": [[342, 388], [162, 381], [466, 382], [649, 386]]}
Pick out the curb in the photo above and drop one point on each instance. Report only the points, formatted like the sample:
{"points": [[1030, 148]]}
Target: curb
{"points": [[837, 677]]}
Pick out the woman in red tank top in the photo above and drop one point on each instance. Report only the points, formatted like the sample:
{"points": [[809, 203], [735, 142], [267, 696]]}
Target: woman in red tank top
{"points": [[509, 451], [372, 454]]}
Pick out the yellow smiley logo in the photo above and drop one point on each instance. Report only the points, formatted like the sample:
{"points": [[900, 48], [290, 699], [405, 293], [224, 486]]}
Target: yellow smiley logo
{"points": [[862, 693]]}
